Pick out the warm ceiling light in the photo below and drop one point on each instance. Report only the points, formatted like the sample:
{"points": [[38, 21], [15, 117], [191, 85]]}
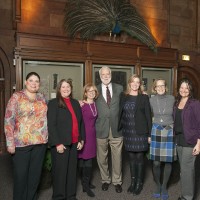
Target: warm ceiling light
{"points": [[186, 57]]}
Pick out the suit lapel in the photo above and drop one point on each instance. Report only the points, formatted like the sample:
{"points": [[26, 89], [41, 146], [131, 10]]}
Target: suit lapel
{"points": [[101, 98], [114, 92]]}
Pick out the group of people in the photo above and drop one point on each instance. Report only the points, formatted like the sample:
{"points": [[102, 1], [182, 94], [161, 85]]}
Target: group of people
{"points": [[106, 118]]}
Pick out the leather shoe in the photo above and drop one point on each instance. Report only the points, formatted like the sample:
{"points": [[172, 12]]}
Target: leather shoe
{"points": [[91, 186], [118, 188], [105, 186]]}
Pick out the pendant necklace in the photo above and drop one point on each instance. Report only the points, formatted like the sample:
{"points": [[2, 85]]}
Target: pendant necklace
{"points": [[159, 109], [94, 112]]}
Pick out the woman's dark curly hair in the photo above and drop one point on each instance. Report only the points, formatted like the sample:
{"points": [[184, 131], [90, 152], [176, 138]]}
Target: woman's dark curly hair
{"points": [[190, 88]]}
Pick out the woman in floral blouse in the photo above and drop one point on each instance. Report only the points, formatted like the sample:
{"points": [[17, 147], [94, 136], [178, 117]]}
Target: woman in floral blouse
{"points": [[26, 137]]}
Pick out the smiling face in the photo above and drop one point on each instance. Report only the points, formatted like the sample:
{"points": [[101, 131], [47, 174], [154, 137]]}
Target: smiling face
{"points": [[135, 84], [184, 90], [90, 93], [160, 87], [65, 90], [105, 76], [32, 84]]}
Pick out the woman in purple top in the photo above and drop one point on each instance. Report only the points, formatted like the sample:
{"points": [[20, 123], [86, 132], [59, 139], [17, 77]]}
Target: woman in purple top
{"points": [[187, 131], [88, 152]]}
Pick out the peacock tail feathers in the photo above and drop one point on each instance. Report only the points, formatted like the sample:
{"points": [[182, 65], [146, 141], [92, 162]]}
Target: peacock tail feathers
{"points": [[89, 18]]}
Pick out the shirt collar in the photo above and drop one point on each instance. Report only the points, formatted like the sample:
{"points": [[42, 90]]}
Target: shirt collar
{"points": [[105, 86]]}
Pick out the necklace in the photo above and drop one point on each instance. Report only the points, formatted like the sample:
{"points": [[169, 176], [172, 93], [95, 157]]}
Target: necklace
{"points": [[159, 109], [31, 102], [32, 109], [94, 112]]}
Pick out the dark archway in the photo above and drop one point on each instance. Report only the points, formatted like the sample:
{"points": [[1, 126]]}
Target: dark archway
{"points": [[4, 94], [193, 75]]}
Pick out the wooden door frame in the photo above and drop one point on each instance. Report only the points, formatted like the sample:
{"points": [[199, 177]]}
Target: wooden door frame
{"points": [[5, 93]]}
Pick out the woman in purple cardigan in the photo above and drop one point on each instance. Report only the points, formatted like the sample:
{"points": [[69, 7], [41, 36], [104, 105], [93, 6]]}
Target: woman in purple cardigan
{"points": [[187, 131]]}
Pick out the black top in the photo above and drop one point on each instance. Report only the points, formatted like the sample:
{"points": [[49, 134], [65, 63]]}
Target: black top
{"points": [[178, 128], [142, 114]]}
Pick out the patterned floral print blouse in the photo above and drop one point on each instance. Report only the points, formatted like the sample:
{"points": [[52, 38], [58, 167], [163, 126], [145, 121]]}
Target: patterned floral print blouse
{"points": [[26, 120]]}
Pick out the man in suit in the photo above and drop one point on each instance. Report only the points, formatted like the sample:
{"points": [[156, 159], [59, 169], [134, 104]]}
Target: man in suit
{"points": [[107, 130]]}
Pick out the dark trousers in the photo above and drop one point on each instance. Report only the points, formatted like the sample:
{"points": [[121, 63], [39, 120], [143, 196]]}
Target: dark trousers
{"points": [[27, 163], [64, 173]]}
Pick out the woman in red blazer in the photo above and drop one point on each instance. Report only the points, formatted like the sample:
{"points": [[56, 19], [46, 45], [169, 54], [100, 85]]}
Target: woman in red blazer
{"points": [[66, 136]]}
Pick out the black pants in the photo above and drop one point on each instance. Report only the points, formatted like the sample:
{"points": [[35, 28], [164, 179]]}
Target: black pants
{"points": [[27, 163], [64, 172]]}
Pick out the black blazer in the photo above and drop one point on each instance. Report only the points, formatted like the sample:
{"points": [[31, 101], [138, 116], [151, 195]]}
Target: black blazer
{"points": [[60, 123], [143, 119]]}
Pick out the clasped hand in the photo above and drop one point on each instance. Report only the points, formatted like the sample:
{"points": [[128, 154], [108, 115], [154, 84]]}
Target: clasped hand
{"points": [[61, 148]]}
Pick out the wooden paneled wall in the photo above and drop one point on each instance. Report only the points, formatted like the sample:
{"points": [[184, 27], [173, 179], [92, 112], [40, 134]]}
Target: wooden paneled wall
{"points": [[48, 48]]}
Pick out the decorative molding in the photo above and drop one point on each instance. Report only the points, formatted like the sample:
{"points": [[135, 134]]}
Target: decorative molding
{"points": [[197, 25], [17, 10], [50, 48]]}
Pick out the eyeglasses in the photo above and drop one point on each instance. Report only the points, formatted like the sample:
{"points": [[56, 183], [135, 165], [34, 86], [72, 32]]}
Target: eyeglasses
{"points": [[160, 86], [91, 91]]}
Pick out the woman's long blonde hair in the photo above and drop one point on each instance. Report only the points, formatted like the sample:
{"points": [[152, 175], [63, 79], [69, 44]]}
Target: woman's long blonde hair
{"points": [[130, 80]]}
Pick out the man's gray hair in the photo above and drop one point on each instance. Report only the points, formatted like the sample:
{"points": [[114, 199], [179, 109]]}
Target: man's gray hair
{"points": [[105, 67]]}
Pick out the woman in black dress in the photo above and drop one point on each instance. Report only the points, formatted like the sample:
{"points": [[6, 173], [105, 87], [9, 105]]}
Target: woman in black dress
{"points": [[136, 123]]}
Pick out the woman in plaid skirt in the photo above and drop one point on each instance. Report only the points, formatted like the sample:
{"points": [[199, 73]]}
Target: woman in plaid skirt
{"points": [[162, 147]]}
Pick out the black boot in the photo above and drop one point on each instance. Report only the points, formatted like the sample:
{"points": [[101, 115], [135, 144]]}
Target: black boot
{"points": [[139, 180], [80, 169], [91, 186], [132, 186], [133, 180], [86, 181]]}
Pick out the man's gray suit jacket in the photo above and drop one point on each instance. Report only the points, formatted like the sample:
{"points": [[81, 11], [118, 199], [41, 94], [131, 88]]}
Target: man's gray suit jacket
{"points": [[108, 117]]}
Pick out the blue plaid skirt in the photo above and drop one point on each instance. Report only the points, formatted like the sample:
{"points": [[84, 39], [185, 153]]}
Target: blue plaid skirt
{"points": [[162, 147]]}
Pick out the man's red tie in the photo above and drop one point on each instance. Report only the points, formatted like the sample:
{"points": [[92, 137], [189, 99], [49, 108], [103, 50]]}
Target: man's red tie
{"points": [[108, 96]]}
